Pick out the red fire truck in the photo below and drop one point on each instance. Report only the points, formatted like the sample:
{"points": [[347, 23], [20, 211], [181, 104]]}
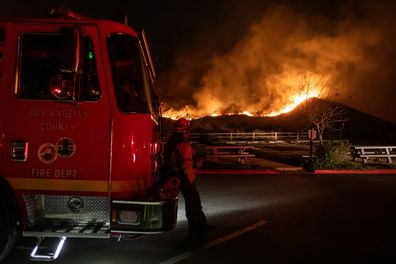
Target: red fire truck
{"points": [[79, 133]]}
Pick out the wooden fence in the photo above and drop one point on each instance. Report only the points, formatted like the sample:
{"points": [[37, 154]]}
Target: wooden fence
{"points": [[268, 137]]}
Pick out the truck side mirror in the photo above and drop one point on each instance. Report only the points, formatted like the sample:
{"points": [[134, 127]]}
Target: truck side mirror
{"points": [[61, 87], [70, 49]]}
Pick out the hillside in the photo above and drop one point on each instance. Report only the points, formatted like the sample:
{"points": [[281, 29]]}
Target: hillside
{"points": [[359, 125]]}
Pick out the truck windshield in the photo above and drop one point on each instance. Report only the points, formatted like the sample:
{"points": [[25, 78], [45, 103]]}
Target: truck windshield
{"points": [[127, 73]]}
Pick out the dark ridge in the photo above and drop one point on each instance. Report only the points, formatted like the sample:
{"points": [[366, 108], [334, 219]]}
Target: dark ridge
{"points": [[359, 127]]}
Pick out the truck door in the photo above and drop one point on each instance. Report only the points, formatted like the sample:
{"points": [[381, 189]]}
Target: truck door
{"points": [[57, 125]]}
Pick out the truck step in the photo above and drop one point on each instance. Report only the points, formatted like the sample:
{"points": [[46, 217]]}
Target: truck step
{"points": [[80, 230], [46, 250]]}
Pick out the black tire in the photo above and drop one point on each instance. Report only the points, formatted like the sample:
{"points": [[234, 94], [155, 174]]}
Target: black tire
{"points": [[8, 221]]}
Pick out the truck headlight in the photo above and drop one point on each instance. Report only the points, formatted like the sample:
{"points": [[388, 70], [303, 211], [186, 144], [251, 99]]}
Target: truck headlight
{"points": [[127, 217]]}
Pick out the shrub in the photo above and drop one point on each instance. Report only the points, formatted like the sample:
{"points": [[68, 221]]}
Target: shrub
{"points": [[329, 156]]}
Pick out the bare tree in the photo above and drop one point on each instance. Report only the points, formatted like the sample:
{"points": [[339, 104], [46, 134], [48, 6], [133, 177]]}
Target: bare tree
{"points": [[323, 114]]}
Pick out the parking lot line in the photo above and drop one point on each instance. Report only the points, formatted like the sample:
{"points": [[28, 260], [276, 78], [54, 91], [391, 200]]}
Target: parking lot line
{"points": [[214, 243]]}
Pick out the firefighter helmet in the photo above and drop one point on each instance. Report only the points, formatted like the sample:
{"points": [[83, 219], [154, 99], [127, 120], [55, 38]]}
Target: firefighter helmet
{"points": [[181, 125]]}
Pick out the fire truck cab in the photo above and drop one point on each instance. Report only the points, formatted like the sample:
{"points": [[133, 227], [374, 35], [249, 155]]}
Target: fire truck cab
{"points": [[79, 132]]}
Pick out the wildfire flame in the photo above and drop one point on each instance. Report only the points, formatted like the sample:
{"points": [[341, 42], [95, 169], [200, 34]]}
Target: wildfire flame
{"points": [[296, 101], [191, 112]]}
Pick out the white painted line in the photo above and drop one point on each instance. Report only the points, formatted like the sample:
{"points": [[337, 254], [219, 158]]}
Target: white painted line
{"points": [[178, 258], [214, 243], [233, 235]]}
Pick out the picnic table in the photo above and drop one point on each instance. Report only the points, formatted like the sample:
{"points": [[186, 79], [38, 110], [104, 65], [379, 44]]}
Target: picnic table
{"points": [[377, 152], [239, 152]]}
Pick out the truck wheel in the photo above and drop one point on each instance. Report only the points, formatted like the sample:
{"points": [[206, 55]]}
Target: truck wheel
{"points": [[8, 222]]}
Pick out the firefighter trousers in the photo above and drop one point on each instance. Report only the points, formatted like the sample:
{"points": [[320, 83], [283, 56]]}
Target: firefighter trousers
{"points": [[197, 224]]}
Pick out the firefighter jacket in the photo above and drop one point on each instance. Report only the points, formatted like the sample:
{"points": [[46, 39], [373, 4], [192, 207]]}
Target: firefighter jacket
{"points": [[182, 159]]}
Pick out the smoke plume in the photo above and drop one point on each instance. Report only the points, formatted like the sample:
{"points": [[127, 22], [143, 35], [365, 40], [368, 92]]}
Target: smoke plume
{"points": [[260, 73]]}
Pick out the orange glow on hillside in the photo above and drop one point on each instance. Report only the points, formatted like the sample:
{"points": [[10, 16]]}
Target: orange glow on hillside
{"points": [[296, 101], [191, 112]]}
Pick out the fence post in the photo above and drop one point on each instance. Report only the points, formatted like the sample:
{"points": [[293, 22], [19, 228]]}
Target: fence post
{"points": [[231, 136], [276, 136]]}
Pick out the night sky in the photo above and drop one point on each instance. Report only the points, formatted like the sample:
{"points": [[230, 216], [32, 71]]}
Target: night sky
{"points": [[243, 51]]}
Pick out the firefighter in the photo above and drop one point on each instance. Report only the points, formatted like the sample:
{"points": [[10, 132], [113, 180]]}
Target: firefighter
{"points": [[179, 161]]}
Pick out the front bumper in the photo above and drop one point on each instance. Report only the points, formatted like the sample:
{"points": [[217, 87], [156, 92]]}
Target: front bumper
{"points": [[98, 217]]}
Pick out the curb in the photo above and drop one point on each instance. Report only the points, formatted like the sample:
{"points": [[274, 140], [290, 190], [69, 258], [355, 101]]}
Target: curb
{"points": [[296, 170], [389, 171], [290, 169], [235, 172]]}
